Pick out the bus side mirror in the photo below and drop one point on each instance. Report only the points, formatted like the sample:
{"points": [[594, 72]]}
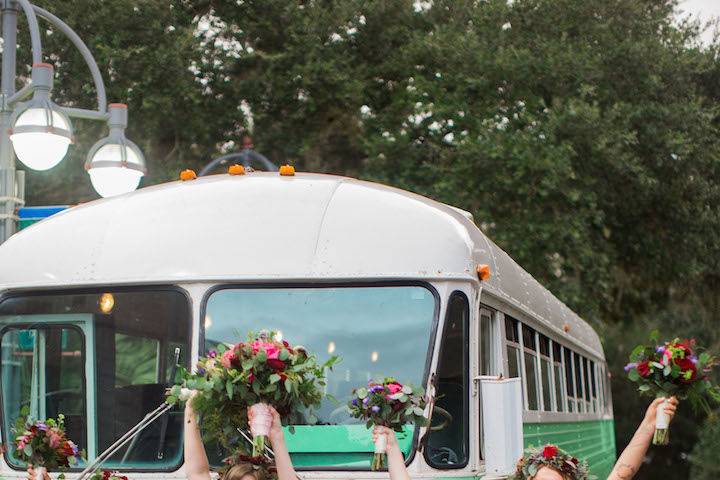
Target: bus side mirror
{"points": [[502, 437]]}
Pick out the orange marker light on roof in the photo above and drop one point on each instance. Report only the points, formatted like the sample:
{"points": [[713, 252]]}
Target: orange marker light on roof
{"points": [[287, 171], [483, 272], [236, 170], [186, 175]]}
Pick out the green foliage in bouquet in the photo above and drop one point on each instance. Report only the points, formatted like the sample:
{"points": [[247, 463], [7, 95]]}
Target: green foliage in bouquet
{"points": [[259, 370], [43, 443], [389, 404], [678, 368]]}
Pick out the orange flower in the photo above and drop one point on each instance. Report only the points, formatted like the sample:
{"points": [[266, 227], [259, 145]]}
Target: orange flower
{"points": [[186, 175], [483, 272], [236, 170], [287, 170]]}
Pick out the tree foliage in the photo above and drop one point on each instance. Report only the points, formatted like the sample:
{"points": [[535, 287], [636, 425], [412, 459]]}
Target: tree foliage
{"points": [[583, 136]]}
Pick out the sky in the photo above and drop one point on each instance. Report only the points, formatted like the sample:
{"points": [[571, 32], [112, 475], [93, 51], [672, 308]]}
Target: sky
{"points": [[704, 9]]}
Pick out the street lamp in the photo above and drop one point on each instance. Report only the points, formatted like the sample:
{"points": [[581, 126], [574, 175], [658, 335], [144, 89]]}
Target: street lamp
{"points": [[39, 132], [247, 157]]}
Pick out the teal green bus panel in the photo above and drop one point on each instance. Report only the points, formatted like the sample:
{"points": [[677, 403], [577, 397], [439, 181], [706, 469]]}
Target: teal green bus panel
{"points": [[593, 441]]}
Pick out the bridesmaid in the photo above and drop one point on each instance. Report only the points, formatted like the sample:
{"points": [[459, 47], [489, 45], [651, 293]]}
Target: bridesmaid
{"points": [[197, 466]]}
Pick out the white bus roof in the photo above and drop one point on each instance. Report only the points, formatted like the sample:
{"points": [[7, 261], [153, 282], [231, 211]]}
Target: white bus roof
{"points": [[264, 227]]}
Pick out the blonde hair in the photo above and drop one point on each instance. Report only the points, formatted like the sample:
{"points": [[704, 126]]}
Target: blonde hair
{"points": [[239, 470]]}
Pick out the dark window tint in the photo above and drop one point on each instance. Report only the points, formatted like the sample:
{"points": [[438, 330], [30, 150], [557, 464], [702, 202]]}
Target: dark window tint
{"points": [[447, 447], [511, 332], [528, 337], [544, 345]]}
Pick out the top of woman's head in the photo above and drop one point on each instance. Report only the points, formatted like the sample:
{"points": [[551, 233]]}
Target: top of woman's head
{"points": [[550, 463], [244, 471]]}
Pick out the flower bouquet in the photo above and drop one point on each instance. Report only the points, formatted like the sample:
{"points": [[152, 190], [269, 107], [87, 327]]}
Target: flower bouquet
{"points": [[388, 404], [43, 444], [552, 457], [107, 475], [254, 374], [675, 368]]}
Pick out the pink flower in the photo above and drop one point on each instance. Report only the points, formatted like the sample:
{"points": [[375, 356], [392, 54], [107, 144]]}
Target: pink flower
{"points": [[394, 388], [54, 439], [21, 444], [272, 351], [227, 359]]}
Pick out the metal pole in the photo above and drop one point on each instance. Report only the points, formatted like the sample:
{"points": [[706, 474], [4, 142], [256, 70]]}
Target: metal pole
{"points": [[7, 88]]}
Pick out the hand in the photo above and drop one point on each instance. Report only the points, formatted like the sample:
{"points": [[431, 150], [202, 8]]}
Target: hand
{"points": [[392, 442], [276, 430], [31, 474], [651, 412], [276, 433]]}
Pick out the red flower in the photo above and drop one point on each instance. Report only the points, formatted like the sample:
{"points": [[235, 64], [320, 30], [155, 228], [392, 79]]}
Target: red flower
{"points": [[549, 451], [643, 369], [276, 364], [287, 345], [251, 378], [283, 377], [686, 365]]}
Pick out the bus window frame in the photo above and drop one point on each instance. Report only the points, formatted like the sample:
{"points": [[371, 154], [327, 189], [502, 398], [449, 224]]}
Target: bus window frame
{"points": [[91, 290], [338, 284], [34, 326]]}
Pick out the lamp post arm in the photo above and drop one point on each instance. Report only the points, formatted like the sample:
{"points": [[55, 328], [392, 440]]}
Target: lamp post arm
{"points": [[34, 28], [22, 94], [84, 51], [85, 114]]}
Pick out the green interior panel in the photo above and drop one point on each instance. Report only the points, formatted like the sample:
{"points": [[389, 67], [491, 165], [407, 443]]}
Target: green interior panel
{"points": [[337, 446]]}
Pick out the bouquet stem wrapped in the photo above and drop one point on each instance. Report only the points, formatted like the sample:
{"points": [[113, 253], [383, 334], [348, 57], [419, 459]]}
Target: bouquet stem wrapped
{"points": [[662, 425], [388, 404], [260, 426], [378, 461]]}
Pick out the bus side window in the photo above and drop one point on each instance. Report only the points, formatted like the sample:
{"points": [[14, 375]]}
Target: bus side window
{"points": [[513, 346], [569, 380], [530, 364], [546, 382], [487, 337], [559, 377], [448, 445]]}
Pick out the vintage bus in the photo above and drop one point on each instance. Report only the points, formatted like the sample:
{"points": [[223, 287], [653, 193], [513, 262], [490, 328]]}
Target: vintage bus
{"points": [[99, 303]]}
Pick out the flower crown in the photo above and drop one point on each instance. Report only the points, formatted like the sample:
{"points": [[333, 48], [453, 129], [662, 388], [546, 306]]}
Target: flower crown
{"points": [[553, 457]]}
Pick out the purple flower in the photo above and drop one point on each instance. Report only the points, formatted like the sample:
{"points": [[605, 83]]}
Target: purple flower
{"points": [[693, 359], [212, 353], [355, 402], [630, 366], [375, 409], [660, 349], [365, 400], [42, 426], [201, 371]]}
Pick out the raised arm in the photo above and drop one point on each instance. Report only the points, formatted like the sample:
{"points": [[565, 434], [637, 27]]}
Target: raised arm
{"points": [[632, 457], [283, 463], [396, 461], [197, 466]]}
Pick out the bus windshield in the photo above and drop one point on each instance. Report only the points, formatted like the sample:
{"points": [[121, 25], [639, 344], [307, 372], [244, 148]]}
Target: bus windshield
{"points": [[376, 330], [103, 359]]}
